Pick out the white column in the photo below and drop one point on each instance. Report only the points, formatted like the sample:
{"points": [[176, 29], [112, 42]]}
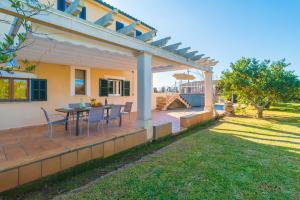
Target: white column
{"points": [[144, 92], [208, 91]]}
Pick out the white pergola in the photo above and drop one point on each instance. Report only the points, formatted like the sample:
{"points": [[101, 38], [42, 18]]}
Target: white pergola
{"points": [[73, 41]]}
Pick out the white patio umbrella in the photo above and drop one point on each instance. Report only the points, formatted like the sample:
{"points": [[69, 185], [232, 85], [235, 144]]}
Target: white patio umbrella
{"points": [[183, 77]]}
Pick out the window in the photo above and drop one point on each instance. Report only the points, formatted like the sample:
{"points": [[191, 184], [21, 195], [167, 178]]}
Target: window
{"points": [[119, 25], [4, 89], [80, 82], [114, 87], [20, 89], [138, 33], [14, 89]]}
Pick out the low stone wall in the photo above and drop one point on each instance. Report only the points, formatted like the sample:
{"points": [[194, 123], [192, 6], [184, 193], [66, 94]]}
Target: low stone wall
{"points": [[34, 170], [162, 130], [190, 120]]}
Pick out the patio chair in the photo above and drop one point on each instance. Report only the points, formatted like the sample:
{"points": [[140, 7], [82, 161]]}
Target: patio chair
{"points": [[77, 105], [53, 120], [114, 114], [72, 114], [127, 109], [96, 116]]}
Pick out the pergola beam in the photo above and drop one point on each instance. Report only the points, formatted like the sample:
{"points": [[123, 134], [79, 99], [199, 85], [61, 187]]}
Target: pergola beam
{"points": [[190, 54], [75, 8], [208, 63], [172, 47], [130, 29], [147, 36], [161, 42], [107, 19], [214, 63], [204, 59], [197, 57], [182, 51]]}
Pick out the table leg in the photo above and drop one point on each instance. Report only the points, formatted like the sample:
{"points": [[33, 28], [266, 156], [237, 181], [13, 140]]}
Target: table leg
{"points": [[120, 120], [107, 116], [67, 118], [77, 123]]}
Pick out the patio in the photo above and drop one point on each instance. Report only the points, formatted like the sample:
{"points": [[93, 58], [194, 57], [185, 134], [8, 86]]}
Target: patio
{"points": [[25, 145]]}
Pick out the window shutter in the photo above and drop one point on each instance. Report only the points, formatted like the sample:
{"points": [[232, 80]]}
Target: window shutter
{"points": [[138, 33], [61, 5], [126, 88], [83, 13], [38, 90], [119, 25], [103, 88]]}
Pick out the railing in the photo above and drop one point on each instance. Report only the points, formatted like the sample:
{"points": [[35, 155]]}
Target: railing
{"points": [[191, 89]]}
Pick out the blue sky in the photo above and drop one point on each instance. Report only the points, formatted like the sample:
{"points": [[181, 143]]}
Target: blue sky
{"points": [[224, 29]]}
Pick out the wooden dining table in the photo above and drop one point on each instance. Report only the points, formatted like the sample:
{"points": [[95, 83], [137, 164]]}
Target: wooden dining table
{"points": [[78, 111]]}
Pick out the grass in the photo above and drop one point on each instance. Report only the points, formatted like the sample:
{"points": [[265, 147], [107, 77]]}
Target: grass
{"points": [[237, 158], [240, 158]]}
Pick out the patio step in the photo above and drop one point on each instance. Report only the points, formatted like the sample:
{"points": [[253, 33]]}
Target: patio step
{"points": [[164, 102], [195, 100], [186, 100], [160, 103]]}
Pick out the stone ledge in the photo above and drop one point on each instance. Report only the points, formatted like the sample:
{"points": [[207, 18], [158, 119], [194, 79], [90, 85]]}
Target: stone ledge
{"points": [[193, 119], [162, 130], [21, 174]]}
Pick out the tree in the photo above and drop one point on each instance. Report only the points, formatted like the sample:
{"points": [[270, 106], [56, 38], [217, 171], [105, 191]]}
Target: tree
{"points": [[259, 82], [14, 41]]}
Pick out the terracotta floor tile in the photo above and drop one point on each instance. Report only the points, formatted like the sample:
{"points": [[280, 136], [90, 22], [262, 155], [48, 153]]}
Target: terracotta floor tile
{"points": [[14, 153], [32, 148], [24, 144], [2, 155]]}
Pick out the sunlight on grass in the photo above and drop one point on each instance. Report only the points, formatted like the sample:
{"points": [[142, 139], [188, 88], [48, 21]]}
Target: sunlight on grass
{"points": [[262, 131], [237, 158], [240, 158]]}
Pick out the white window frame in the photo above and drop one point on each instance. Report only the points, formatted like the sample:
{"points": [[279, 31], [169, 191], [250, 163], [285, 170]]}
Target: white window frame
{"points": [[117, 83], [119, 78], [87, 78]]}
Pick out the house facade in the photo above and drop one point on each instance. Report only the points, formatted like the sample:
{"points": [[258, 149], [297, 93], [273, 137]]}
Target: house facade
{"points": [[88, 49], [83, 50]]}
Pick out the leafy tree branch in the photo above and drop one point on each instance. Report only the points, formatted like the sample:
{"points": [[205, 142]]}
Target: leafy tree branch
{"points": [[259, 83], [15, 40]]}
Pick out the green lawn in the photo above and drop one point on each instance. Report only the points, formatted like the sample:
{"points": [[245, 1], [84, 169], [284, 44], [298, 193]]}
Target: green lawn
{"points": [[237, 158]]}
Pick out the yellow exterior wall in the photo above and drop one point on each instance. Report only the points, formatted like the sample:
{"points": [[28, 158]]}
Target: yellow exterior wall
{"points": [[95, 10], [19, 114]]}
